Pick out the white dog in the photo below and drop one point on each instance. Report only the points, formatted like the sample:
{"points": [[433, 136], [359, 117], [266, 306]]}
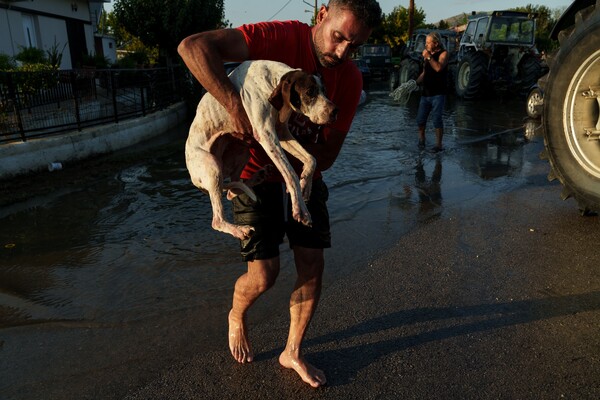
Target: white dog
{"points": [[213, 155]]}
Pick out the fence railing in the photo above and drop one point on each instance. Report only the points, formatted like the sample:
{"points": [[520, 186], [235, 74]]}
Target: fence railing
{"points": [[37, 104]]}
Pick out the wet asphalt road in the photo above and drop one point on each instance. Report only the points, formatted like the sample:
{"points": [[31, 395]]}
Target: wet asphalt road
{"points": [[494, 300], [493, 293]]}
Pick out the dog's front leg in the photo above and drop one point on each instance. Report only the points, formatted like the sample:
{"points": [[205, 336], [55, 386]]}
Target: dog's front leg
{"points": [[272, 146], [309, 164]]}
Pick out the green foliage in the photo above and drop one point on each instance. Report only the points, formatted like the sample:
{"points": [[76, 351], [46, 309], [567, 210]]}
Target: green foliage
{"points": [[394, 29], [162, 24], [133, 60], [95, 60], [54, 55], [545, 20], [33, 77], [31, 55], [129, 44], [7, 63]]}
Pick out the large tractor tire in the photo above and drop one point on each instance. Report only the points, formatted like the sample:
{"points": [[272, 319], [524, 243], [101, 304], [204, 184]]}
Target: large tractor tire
{"points": [[471, 75], [409, 69], [529, 70], [571, 116]]}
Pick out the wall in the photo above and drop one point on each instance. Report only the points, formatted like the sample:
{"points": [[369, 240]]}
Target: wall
{"points": [[34, 155]]}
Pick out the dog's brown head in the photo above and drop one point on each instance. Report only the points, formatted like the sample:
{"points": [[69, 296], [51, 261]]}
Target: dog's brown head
{"points": [[303, 93]]}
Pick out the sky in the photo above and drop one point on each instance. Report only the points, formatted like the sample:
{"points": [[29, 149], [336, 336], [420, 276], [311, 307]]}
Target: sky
{"points": [[245, 11], [239, 12]]}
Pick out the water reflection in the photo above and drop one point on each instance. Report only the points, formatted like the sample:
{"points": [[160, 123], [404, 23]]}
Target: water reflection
{"points": [[429, 189]]}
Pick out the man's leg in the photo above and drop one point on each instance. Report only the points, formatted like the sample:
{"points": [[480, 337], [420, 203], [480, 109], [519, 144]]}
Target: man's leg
{"points": [[260, 277], [261, 251], [438, 122], [422, 114], [303, 303], [422, 136]]}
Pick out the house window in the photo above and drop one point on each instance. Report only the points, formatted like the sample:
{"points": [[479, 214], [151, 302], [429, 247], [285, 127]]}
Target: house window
{"points": [[29, 30]]}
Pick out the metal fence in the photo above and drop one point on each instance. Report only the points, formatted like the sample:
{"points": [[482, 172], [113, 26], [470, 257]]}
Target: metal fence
{"points": [[37, 104]]}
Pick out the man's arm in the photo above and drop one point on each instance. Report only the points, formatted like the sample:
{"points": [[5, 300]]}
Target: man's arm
{"points": [[204, 54], [436, 65]]}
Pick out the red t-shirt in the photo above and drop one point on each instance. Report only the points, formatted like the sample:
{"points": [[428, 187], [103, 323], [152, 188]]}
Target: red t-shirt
{"points": [[290, 42]]}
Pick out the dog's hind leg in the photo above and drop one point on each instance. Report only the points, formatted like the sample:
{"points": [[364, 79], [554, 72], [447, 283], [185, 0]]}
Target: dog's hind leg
{"points": [[206, 174], [219, 223]]}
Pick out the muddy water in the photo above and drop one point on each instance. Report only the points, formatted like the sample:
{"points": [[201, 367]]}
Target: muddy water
{"points": [[138, 245]]}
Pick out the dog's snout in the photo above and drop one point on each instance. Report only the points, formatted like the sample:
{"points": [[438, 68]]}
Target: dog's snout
{"points": [[331, 114]]}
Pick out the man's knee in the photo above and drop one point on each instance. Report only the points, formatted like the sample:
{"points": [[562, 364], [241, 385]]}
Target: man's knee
{"points": [[309, 263], [263, 273]]}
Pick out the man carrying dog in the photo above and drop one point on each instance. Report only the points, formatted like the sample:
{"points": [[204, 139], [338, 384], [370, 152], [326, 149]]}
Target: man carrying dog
{"points": [[323, 49]]}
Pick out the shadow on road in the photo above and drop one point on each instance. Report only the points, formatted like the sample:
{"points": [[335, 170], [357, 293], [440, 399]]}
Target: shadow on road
{"points": [[461, 321]]}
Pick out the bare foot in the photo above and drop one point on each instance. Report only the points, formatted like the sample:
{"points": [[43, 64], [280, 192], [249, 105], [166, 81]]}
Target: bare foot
{"points": [[309, 373], [238, 340]]}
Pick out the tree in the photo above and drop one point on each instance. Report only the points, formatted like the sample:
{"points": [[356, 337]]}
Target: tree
{"points": [[443, 24], [544, 23], [163, 24], [136, 51], [394, 29]]}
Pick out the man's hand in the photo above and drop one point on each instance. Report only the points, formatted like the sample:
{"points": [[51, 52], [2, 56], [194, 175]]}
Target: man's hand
{"points": [[426, 54], [242, 128]]}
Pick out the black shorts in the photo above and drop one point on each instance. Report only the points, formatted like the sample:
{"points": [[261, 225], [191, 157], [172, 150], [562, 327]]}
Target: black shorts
{"points": [[271, 217]]}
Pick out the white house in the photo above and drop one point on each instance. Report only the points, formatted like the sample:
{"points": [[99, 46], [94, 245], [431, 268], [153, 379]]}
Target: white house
{"points": [[72, 24]]}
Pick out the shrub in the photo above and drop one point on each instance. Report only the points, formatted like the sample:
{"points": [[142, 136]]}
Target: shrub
{"points": [[31, 78], [7, 63], [133, 60], [31, 55], [54, 55], [95, 60]]}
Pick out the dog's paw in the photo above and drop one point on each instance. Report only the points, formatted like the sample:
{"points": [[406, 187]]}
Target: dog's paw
{"points": [[243, 232], [306, 188], [303, 217], [307, 222]]}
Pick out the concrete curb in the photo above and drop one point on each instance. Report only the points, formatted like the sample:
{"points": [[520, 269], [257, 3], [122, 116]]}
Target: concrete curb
{"points": [[37, 154]]}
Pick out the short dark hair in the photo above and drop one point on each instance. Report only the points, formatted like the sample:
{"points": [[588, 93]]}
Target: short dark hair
{"points": [[367, 11]]}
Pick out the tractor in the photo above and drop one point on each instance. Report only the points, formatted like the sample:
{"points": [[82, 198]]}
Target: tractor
{"points": [[497, 53]]}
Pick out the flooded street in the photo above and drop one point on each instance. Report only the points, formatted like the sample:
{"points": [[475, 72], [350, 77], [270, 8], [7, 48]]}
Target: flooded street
{"points": [[132, 259], [140, 243]]}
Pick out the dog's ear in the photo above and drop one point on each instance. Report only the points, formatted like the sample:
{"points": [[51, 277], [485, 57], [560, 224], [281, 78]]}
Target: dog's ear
{"points": [[283, 95], [276, 98]]}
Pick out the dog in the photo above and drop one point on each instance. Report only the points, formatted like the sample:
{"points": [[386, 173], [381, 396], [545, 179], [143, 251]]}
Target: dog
{"points": [[270, 92]]}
